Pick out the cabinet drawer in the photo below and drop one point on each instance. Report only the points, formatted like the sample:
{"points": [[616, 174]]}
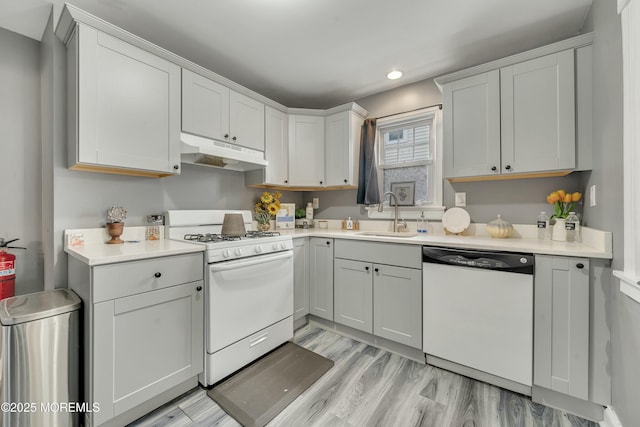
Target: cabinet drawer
{"points": [[380, 253], [130, 278]]}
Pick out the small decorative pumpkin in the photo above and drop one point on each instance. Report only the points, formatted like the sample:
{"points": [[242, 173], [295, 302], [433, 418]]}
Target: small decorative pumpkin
{"points": [[499, 228]]}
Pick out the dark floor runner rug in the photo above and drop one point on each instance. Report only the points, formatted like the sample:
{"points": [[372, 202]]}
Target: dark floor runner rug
{"points": [[256, 394]]}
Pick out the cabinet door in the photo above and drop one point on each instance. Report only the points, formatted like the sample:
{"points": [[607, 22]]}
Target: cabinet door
{"points": [[538, 114], [471, 109], [300, 278], [144, 345], [561, 325], [276, 147], [397, 297], [321, 277], [246, 121], [128, 106], [306, 150], [353, 294], [205, 107], [342, 144]]}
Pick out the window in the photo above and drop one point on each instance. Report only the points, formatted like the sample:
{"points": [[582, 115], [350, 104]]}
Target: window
{"points": [[408, 152]]}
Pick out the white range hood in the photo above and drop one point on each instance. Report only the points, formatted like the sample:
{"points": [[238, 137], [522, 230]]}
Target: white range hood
{"points": [[208, 152]]}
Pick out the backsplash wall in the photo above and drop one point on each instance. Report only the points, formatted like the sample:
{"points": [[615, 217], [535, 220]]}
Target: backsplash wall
{"points": [[519, 201]]}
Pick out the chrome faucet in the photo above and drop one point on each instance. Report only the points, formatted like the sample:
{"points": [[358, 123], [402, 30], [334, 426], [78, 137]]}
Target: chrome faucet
{"points": [[395, 215]]}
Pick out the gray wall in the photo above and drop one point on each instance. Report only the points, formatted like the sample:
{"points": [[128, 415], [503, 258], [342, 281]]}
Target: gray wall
{"points": [[20, 156], [519, 201], [607, 174]]}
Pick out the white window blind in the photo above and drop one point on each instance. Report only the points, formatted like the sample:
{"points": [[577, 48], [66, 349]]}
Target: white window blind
{"points": [[407, 143]]}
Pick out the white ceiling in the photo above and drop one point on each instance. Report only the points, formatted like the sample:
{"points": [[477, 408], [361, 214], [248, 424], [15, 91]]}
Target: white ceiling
{"points": [[321, 53]]}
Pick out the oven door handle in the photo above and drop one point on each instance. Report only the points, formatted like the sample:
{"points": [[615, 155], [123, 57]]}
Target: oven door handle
{"points": [[257, 260]]}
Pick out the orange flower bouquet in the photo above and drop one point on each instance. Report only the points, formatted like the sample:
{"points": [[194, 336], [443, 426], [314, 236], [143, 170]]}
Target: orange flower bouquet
{"points": [[563, 202]]}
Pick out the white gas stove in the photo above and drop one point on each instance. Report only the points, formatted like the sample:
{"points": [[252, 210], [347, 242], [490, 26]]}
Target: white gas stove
{"points": [[204, 227], [248, 289]]}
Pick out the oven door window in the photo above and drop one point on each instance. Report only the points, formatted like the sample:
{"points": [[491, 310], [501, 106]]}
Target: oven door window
{"points": [[246, 296]]}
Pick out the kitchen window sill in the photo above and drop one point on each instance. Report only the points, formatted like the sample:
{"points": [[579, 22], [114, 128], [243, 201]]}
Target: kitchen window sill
{"points": [[628, 286]]}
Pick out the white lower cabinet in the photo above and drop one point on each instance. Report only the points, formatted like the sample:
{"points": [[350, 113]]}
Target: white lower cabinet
{"points": [[378, 298], [300, 278], [321, 277], [397, 304], [143, 331], [561, 325], [353, 297]]}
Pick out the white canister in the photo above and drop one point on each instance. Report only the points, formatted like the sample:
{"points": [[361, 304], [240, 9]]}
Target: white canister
{"points": [[559, 232]]}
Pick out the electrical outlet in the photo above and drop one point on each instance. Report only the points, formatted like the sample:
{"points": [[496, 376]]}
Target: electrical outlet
{"points": [[461, 199], [592, 195]]}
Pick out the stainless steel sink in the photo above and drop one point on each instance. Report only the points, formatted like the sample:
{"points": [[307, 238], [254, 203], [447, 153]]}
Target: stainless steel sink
{"points": [[387, 234]]}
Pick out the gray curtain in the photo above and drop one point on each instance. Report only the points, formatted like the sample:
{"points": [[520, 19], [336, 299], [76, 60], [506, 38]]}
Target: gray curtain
{"points": [[368, 191]]}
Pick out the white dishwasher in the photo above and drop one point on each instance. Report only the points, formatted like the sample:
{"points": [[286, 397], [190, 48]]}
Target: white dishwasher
{"points": [[478, 314]]}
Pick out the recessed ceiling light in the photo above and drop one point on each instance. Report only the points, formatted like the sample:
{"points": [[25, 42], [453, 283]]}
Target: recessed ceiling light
{"points": [[394, 75]]}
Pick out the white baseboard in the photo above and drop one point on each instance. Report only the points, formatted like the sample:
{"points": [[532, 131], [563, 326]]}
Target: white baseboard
{"points": [[610, 418]]}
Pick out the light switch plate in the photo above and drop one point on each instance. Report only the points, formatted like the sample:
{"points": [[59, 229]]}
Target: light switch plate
{"points": [[592, 195], [461, 199]]}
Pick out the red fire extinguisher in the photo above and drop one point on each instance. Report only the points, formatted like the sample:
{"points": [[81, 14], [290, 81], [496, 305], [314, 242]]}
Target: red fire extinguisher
{"points": [[7, 269]]}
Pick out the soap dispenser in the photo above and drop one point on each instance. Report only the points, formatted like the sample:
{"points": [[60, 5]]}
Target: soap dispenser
{"points": [[422, 223], [309, 211], [349, 224]]}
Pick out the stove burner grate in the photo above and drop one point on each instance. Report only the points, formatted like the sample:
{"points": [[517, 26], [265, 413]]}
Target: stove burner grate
{"points": [[212, 237], [209, 237]]}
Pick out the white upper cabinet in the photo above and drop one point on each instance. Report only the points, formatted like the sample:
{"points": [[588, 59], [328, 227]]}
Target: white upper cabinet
{"points": [[518, 115], [519, 119], [342, 144], [212, 110], [472, 125], [205, 106], [124, 107], [321, 149], [276, 147], [306, 150], [538, 114], [246, 121]]}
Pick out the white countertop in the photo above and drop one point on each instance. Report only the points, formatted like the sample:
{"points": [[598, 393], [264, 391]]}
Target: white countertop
{"points": [[96, 252], [596, 243], [101, 253]]}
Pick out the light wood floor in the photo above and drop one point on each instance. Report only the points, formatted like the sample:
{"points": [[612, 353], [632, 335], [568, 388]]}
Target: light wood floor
{"points": [[371, 387]]}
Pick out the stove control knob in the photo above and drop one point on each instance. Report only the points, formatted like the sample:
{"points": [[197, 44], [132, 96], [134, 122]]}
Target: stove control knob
{"points": [[238, 251], [275, 246], [258, 249], [283, 246], [226, 253]]}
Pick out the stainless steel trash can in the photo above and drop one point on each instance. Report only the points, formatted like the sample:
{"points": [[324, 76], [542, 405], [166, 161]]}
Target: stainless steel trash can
{"points": [[39, 359]]}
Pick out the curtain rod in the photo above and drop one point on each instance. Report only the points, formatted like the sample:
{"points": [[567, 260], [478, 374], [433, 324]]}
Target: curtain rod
{"points": [[410, 111]]}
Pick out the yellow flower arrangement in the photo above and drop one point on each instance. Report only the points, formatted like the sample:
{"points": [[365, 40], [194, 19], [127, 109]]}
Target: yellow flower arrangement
{"points": [[267, 207], [563, 202]]}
